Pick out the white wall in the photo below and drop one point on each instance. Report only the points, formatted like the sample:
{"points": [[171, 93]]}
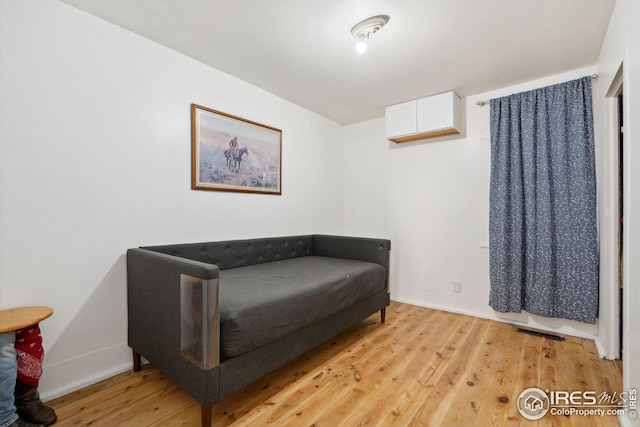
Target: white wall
{"points": [[431, 198], [95, 159], [622, 47]]}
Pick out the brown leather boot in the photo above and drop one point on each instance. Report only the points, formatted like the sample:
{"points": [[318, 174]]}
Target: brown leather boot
{"points": [[29, 406]]}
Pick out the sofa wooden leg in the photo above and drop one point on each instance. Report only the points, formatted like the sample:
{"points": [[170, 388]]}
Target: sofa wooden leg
{"points": [[137, 363], [383, 314], [207, 411]]}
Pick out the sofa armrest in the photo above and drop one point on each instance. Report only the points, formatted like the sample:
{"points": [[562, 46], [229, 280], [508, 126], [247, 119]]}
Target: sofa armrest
{"points": [[357, 248], [154, 283], [150, 261]]}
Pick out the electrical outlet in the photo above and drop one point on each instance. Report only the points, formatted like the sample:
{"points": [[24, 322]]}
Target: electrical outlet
{"points": [[457, 287]]}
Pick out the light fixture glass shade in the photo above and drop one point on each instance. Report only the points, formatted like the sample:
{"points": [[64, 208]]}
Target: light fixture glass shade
{"points": [[363, 30]]}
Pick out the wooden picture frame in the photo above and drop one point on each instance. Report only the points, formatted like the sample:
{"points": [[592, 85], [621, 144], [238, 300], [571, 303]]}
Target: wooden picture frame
{"points": [[230, 153]]}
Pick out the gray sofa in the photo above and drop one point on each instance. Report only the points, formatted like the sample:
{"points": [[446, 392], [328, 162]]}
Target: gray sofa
{"points": [[216, 316]]}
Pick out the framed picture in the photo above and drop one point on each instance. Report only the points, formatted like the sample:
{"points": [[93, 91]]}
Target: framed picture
{"points": [[229, 153]]}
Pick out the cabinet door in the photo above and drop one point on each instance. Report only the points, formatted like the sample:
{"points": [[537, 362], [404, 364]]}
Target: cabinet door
{"points": [[435, 112], [400, 119]]}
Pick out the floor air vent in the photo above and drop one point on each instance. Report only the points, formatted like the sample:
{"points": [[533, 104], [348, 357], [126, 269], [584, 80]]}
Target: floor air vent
{"points": [[541, 334]]}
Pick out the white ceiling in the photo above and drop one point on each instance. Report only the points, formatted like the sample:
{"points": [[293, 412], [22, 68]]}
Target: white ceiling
{"points": [[303, 51]]}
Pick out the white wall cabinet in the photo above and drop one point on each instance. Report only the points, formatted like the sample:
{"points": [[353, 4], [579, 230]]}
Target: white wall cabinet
{"points": [[430, 117], [401, 120]]}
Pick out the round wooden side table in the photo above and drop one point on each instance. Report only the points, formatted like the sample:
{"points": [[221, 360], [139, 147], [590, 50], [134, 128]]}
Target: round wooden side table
{"points": [[14, 319]]}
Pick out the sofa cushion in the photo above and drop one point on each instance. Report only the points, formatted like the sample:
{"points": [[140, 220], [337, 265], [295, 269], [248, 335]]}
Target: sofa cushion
{"points": [[262, 303]]}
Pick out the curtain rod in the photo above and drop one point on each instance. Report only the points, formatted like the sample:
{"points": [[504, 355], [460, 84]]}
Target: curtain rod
{"points": [[483, 103]]}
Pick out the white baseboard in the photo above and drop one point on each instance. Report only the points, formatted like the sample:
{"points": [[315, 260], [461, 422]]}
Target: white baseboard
{"points": [[601, 352], [65, 377], [479, 307]]}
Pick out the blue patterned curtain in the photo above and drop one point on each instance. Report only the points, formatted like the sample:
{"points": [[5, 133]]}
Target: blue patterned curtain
{"points": [[542, 223]]}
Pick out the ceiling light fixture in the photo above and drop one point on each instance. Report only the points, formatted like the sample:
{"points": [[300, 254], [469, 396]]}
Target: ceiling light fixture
{"points": [[364, 29]]}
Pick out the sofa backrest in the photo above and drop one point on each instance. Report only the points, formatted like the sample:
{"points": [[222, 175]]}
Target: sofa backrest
{"points": [[240, 253]]}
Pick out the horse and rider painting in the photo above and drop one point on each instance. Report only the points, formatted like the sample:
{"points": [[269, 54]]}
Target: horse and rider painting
{"points": [[233, 154]]}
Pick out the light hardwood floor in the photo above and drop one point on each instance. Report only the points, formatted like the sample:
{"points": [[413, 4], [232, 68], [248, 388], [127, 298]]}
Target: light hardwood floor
{"points": [[422, 367]]}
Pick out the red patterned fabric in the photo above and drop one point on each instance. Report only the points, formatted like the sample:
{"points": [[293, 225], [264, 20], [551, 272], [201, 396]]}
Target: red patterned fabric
{"points": [[30, 354]]}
